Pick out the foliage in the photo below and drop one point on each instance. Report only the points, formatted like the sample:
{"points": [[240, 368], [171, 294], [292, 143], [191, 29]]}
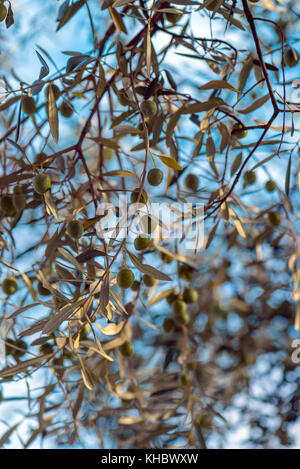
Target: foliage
{"points": [[143, 342]]}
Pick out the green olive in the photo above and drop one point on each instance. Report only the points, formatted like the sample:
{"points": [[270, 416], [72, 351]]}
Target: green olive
{"points": [[41, 183], [66, 109], [135, 194], [9, 285], [126, 349], [155, 177], [191, 182], [149, 108], [125, 278], [142, 242], [75, 229]]}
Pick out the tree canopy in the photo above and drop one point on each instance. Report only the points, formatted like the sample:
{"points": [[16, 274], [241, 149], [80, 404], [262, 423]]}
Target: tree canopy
{"points": [[149, 224]]}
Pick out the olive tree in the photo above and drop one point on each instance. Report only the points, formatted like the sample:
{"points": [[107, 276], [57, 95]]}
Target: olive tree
{"points": [[149, 226]]}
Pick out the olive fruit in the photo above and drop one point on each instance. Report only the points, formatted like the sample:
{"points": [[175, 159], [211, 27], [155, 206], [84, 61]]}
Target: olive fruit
{"points": [[142, 242], [148, 108], [42, 290], [148, 280], [291, 56], [173, 17], [55, 89], [180, 315], [19, 201], [190, 295], [166, 258], [28, 104], [185, 380], [16, 348], [45, 349], [39, 156], [3, 12], [168, 325], [249, 177], [212, 5], [126, 349], [135, 286], [66, 109], [7, 205], [75, 229], [125, 278], [239, 130], [191, 182], [191, 366], [179, 307], [270, 185], [135, 194], [41, 183], [155, 176], [274, 218], [9, 285], [186, 272], [172, 297]]}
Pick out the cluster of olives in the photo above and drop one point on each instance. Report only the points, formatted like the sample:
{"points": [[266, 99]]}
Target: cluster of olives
{"points": [[11, 204], [180, 303], [28, 103]]}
